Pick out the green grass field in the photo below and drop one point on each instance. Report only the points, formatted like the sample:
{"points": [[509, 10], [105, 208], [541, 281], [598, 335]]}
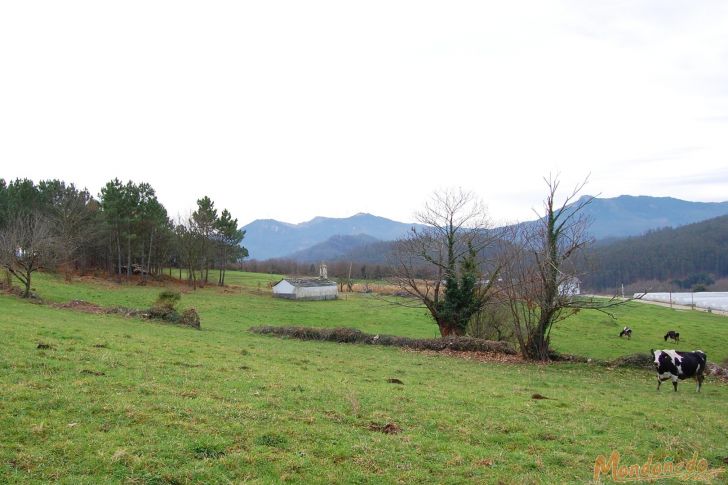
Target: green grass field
{"points": [[122, 400]]}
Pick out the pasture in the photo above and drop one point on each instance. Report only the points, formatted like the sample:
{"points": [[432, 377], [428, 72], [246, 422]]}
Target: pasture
{"points": [[123, 400]]}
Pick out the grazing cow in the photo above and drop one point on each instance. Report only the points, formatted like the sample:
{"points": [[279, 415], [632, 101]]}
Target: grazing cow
{"points": [[673, 335], [626, 331], [671, 364]]}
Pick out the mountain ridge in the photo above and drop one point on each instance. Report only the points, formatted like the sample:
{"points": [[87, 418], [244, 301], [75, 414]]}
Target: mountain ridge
{"points": [[612, 218], [269, 238]]}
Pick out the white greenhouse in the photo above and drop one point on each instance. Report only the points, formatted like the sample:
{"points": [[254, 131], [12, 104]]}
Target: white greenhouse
{"points": [[707, 300]]}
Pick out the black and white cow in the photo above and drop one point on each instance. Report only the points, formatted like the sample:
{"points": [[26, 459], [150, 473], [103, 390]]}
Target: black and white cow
{"points": [[671, 364], [672, 334], [626, 331]]}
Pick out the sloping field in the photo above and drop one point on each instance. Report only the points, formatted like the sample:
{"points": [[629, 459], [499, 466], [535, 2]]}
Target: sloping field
{"points": [[122, 400]]}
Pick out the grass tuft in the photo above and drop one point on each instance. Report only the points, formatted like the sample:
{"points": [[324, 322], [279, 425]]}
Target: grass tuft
{"points": [[273, 440], [208, 448]]}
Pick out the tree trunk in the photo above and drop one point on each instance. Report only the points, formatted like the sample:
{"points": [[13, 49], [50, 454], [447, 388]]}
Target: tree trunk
{"points": [[149, 259], [447, 330], [221, 278], [537, 347], [128, 256], [118, 248], [192, 277], [26, 294], [144, 279]]}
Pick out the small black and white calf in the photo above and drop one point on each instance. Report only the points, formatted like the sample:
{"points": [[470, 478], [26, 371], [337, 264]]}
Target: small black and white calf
{"points": [[671, 364], [672, 334], [626, 331]]}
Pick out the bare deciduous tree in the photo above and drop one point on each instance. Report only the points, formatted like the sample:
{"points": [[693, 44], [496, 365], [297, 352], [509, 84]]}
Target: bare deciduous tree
{"points": [[539, 274], [26, 245], [441, 266], [74, 225]]}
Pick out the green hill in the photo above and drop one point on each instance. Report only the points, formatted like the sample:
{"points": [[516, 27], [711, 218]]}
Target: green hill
{"points": [[110, 399]]}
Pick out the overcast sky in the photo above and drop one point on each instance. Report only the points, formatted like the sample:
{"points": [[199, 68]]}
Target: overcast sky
{"points": [[290, 110]]}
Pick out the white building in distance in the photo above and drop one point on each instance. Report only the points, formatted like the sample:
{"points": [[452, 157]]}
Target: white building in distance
{"points": [[306, 289], [571, 286]]}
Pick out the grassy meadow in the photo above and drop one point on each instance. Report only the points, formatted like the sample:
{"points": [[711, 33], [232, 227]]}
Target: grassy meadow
{"points": [[123, 400]]}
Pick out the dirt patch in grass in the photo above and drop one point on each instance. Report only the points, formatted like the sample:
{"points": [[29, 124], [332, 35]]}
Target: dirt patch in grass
{"points": [[717, 371], [388, 428], [188, 318], [474, 356], [93, 372], [81, 306], [111, 282], [93, 308]]}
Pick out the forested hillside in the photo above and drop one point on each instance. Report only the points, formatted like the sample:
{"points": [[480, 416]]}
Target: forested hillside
{"points": [[333, 249], [688, 257]]}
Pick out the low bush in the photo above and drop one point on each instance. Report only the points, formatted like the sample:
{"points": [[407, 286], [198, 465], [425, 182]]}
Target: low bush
{"points": [[168, 299], [163, 313], [644, 361], [559, 357], [190, 318], [493, 322]]}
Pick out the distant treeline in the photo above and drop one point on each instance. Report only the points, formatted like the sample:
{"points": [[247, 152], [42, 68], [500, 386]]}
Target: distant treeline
{"points": [[123, 230], [337, 269], [688, 257], [369, 261]]}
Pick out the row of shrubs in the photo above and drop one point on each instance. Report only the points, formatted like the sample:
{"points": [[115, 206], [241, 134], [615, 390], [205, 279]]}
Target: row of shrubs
{"points": [[352, 335], [164, 309], [641, 361], [466, 344]]}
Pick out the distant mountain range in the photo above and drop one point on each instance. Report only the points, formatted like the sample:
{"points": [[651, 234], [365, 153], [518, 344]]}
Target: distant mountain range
{"points": [[363, 237], [629, 215], [268, 238]]}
